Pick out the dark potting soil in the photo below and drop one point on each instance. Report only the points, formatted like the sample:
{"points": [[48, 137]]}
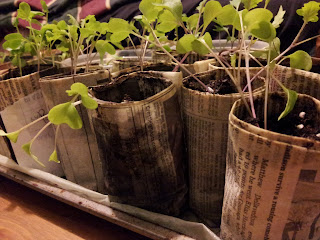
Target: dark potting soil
{"points": [[302, 121], [219, 86], [132, 87]]}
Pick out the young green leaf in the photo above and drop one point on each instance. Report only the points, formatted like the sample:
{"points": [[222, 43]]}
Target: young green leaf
{"points": [[167, 22], [44, 6], [119, 36], [198, 45], [309, 11], [62, 25], [77, 88], [23, 11], [184, 44], [65, 113], [174, 6], [211, 11], [228, 15], [300, 60], [13, 136], [54, 157], [278, 19], [292, 97], [103, 46], [13, 36], [27, 148], [192, 21], [257, 15], [149, 10], [263, 30], [88, 102], [249, 4], [235, 3]]}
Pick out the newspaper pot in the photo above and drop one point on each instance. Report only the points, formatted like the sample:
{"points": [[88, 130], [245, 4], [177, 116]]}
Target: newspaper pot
{"points": [[165, 70], [139, 132], [77, 149], [298, 80], [206, 127], [21, 102], [272, 179]]}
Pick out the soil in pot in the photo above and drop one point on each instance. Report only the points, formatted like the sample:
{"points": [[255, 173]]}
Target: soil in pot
{"points": [[302, 121], [139, 132]]}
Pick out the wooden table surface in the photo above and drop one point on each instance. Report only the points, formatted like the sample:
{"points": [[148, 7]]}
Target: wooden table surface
{"points": [[26, 214]]}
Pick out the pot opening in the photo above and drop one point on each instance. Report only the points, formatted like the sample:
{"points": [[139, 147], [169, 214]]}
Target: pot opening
{"points": [[132, 87], [302, 121]]}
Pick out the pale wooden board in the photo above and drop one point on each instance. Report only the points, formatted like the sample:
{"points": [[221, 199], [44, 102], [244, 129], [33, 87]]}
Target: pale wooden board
{"points": [[117, 217]]}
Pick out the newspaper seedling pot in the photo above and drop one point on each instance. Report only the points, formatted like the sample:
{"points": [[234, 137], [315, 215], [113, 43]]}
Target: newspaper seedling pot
{"points": [[21, 102], [206, 127], [139, 132], [162, 69], [299, 80], [77, 149], [272, 179]]}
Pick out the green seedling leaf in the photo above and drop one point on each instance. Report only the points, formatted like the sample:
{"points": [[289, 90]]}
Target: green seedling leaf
{"points": [[65, 113], [149, 10], [167, 48], [54, 157], [24, 11], [211, 11], [13, 136], [174, 6], [27, 148], [35, 21], [82, 90], [235, 3], [198, 45], [278, 19], [12, 44], [119, 25], [228, 15], [167, 22], [88, 102], [192, 21], [13, 36], [85, 32], [36, 13], [44, 6], [292, 97], [256, 16], [103, 46], [264, 31], [309, 11], [74, 32], [184, 44], [300, 60], [72, 20], [249, 4], [77, 88], [62, 25], [119, 36]]}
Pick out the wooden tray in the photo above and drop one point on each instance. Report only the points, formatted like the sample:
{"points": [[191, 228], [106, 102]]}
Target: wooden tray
{"points": [[125, 220]]}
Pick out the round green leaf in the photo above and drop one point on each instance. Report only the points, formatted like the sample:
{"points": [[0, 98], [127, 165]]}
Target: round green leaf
{"points": [[211, 11], [77, 88], [13, 36], [309, 11], [263, 30], [65, 113], [149, 10], [13, 136], [119, 36], [24, 10], [300, 60], [88, 102], [256, 16], [184, 44]]}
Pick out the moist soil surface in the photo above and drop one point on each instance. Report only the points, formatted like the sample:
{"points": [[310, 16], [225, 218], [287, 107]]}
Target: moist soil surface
{"points": [[219, 86], [302, 121]]}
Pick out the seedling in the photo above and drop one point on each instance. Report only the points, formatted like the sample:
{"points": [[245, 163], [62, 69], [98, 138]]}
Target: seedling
{"points": [[65, 113]]}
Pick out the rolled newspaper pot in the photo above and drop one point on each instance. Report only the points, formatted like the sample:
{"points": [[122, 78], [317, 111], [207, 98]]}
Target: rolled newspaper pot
{"points": [[298, 80], [139, 132], [77, 149], [206, 127], [272, 186], [21, 102]]}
